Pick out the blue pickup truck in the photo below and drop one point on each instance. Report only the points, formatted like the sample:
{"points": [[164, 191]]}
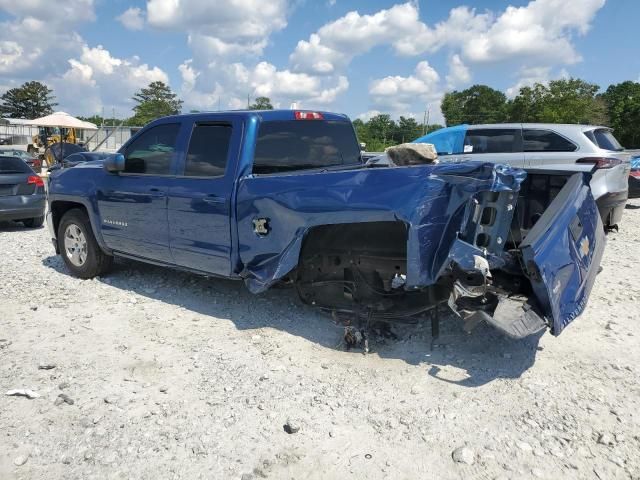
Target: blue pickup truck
{"points": [[283, 197]]}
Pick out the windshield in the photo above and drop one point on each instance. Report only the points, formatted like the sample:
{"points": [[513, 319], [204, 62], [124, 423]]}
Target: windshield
{"points": [[303, 144], [14, 153], [13, 165]]}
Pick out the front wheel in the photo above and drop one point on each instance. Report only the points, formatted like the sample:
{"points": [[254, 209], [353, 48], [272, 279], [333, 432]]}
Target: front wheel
{"points": [[79, 248]]}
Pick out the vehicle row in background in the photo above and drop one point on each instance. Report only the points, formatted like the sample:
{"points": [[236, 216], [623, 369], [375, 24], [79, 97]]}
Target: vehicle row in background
{"points": [[576, 148]]}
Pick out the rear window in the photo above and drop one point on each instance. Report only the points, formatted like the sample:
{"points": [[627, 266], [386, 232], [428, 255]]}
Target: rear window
{"points": [[304, 144], [546, 141], [603, 138], [13, 165], [489, 140]]}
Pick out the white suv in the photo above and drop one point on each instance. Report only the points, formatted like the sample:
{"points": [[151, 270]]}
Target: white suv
{"points": [[546, 146]]}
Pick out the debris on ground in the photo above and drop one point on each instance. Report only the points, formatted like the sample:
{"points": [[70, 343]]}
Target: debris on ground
{"points": [[22, 392]]}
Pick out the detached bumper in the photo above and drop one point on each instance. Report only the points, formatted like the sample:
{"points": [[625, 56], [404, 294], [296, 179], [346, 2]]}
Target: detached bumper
{"points": [[19, 207], [611, 207]]}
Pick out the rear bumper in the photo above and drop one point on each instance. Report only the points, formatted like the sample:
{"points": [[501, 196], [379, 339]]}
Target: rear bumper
{"points": [[634, 187], [611, 207], [20, 207]]}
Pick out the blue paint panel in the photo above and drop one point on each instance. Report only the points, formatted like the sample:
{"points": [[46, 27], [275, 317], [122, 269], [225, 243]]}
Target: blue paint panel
{"points": [[432, 200], [566, 246]]}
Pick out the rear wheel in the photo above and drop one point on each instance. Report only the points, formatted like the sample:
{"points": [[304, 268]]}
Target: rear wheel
{"points": [[35, 222], [79, 248]]}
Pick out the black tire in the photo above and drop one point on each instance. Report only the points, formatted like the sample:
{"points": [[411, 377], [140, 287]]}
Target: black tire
{"points": [[33, 222], [92, 261]]}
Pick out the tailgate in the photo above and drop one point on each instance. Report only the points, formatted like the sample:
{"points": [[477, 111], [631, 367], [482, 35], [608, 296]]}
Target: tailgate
{"points": [[562, 252]]}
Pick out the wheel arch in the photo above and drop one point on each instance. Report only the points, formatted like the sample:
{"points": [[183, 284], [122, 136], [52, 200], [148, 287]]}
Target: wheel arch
{"points": [[59, 207]]}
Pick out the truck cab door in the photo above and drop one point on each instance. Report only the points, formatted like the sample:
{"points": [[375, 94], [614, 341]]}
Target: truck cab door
{"points": [[200, 196], [133, 204]]}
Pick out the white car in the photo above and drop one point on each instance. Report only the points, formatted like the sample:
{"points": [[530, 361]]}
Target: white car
{"points": [[546, 146]]}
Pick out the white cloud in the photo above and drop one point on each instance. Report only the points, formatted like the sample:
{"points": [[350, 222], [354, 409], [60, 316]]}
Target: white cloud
{"points": [[230, 26], [335, 44], [541, 30], [97, 79], [228, 85], [132, 18], [397, 93], [459, 74], [68, 11]]}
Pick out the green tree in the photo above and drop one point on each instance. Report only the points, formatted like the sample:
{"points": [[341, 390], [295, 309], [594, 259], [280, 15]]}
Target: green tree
{"points": [[381, 129], [561, 101], [100, 120], [261, 103], [30, 100], [527, 106], [407, 130], [623, 107], [476, 104], [155, 101]]}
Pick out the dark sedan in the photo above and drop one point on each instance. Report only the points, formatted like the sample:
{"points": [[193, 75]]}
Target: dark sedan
{"points": [[30, 160], [22, 196]]}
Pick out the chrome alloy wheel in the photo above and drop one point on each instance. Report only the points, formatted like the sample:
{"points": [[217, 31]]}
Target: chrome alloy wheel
{"points": [[75, 245]]}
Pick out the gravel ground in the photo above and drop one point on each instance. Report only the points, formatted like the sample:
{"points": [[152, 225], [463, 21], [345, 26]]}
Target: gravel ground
{"points": [[169, 375]]}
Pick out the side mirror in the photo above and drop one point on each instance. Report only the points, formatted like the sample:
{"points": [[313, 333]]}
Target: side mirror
{"points": [[114, 163]]}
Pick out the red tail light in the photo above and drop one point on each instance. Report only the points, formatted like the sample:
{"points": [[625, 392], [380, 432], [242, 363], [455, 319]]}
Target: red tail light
{"points": [[635, 173], [600, 162], [34, 179], [308, 116]]}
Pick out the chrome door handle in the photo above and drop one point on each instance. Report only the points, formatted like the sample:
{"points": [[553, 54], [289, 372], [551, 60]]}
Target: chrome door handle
{"points": [[213, 200]]}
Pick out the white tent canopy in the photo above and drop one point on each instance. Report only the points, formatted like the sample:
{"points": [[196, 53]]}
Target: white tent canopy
{"points": [[62, 120]]}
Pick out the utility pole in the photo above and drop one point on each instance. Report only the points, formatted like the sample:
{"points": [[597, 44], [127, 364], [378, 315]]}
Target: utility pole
{"points": [[425, 120], [248, 102]]}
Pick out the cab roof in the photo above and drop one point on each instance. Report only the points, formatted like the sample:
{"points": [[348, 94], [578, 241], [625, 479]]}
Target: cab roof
{"points": [[262, 115]]}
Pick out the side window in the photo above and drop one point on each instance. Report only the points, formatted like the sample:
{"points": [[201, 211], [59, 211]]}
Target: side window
{"points": [[151, 153], [546, 141], [208, 150], [490, 140]]}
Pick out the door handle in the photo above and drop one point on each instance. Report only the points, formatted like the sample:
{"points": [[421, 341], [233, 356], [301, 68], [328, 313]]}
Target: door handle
{"points": [[157, 193], [214, 200]]}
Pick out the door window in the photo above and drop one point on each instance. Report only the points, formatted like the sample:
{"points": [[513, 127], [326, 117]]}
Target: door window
{"points": [[546, 141], [490, 140], [208, 151], [152, 152]]}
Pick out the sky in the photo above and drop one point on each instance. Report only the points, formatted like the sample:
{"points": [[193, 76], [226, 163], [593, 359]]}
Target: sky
{"points": [[359, 57]]}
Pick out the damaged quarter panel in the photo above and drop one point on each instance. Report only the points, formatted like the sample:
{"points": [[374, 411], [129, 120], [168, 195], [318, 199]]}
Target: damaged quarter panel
{"points": [[435, 201]]}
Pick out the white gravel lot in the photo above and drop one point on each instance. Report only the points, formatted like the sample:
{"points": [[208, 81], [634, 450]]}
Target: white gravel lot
{"points": [[177, 376]]}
